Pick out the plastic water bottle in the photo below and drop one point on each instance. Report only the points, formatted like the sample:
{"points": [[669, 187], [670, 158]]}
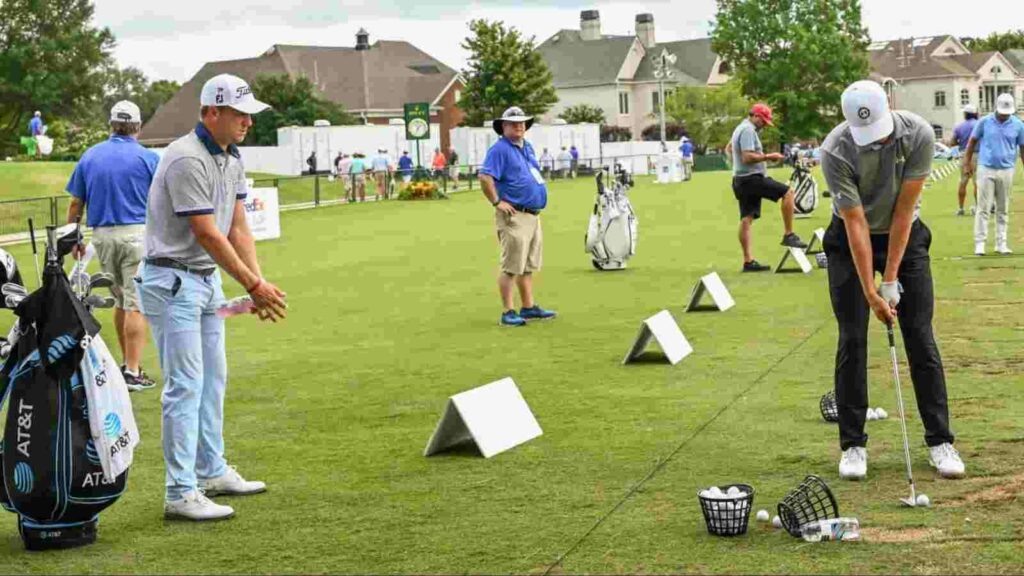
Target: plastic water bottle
{"points": [[831, 529], [235, 306]]}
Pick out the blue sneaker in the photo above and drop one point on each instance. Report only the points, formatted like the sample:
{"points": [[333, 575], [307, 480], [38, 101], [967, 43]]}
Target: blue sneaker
{"points": [[536, 313], [510, 318]]}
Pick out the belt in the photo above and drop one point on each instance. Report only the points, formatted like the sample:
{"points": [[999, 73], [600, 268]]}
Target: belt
{"points": [[521, 208], [172, 263]]}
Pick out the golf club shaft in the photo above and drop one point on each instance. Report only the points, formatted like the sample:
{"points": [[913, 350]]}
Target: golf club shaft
{"points": [[35, 252], [903, 419]]}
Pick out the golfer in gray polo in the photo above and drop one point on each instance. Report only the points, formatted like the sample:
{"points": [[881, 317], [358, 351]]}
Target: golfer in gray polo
{"points": [[876, 164], [195, 222]]}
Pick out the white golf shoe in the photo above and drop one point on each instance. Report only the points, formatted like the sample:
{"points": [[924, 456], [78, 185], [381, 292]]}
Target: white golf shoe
{"points": [[1003, 249], [197, 507], [946, 460], [979, 248], [231, 483], [854, 463]]}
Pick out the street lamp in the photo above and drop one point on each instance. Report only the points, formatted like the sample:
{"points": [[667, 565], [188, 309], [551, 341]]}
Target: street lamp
{"points": [[663, 71]]}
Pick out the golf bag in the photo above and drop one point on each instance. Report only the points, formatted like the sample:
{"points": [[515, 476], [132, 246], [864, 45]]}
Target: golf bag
{"points": [[805, 187], [51, 474], [612, 232]]}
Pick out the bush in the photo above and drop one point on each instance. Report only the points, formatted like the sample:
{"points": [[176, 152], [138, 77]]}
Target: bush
{"points": [[70, 141], [615, 134], [421, 189], [673, 132]]}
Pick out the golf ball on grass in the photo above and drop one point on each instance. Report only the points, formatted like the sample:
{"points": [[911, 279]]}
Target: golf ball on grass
{"points": [[777, 522], [762, 515], [923, 500], [872, 415], [881, 413]]}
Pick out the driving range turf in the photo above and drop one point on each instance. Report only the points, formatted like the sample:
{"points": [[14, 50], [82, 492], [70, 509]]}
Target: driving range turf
{"points": [[393, 308]]}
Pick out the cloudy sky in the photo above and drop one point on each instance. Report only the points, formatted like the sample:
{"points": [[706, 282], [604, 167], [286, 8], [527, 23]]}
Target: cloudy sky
{"points": [[174, 39]]}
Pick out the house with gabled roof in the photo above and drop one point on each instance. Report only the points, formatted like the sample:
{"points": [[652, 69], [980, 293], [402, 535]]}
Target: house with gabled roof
{"points": [[935, 77], [616, 73], [373, 82]]}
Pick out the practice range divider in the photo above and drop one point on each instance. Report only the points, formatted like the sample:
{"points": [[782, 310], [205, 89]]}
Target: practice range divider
{"points": [[710, 284], [661, 327], [817, 242], [494, 417], [798, 256]]}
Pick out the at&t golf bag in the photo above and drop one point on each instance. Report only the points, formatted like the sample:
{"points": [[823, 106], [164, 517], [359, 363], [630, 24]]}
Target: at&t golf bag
{"points": [[52, 469], [805, 187], [612, 232]]}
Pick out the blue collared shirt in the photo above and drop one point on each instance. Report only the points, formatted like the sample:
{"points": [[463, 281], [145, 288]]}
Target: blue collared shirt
{"points": [[405, 165], [998, 142], [113, 179], [516, 174], [35, 126]]}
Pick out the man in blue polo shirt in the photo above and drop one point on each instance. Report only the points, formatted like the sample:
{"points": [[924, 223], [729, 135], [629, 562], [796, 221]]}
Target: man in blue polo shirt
{"points": [[512, 183], [111, 182], [1000, 137], [961, 137]]}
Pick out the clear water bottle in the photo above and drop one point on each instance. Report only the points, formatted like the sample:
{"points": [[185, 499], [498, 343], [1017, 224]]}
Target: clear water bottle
{"points": [[831, 529], [235, 306]]}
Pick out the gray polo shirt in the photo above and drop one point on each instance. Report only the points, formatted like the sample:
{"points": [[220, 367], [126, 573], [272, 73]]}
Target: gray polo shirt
{"points": [[195, 176], [745, 139], [873, 176]]}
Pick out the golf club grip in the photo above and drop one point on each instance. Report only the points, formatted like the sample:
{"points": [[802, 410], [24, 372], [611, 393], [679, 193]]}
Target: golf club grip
{"points": [[892, 337], [32, 235]]}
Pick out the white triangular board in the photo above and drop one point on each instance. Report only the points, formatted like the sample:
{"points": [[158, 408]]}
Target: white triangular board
{"points": [[798, 256], [710, 284], [494, 416], [661, 327], [817, 242]]}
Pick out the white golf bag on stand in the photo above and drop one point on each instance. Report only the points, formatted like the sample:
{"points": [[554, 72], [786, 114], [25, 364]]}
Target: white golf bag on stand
{"points": [[806, 189], [612, 232]]}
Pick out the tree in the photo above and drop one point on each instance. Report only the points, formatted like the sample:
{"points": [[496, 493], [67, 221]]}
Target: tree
{"points": [[583, 113], [132, 84], [709, 114], [996, 41], [294, 103], [673, 132], [798, 55], [52, 59], [503, 70]]}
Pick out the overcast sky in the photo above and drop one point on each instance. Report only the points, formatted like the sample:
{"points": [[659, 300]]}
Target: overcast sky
{"points": [[173, 39]]}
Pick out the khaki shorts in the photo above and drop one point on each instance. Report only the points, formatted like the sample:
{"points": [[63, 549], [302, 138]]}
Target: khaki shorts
{"points": [[522, 242], [119, 250]]}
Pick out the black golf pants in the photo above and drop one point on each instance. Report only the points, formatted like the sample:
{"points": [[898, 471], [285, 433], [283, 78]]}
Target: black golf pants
{"points": [[914, 312]]}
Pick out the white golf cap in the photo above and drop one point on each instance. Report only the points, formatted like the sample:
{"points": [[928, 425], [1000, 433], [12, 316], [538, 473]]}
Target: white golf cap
{"points": [[1005, 105], [970, 109], [866, 108], [126, 111], [228, 90]]}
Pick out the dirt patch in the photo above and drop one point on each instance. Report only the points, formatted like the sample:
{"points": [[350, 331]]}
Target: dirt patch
{"points": [[887, 536], [990, 366], [994, 491]]}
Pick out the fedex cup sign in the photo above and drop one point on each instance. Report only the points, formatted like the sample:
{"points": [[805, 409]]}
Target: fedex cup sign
{"points": [[262, 214]]}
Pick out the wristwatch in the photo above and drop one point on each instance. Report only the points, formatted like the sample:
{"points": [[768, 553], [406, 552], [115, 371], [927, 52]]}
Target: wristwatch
{"points": [[496, 202]]}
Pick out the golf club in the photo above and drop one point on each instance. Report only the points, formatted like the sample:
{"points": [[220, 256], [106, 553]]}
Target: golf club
{"points": [[35, 252], [12, 301], [100, 280], [97, 301], [912, 501], [10, 288]]}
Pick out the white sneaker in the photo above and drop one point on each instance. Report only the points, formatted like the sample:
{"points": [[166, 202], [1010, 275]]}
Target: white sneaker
{"points": [[1003, 249], [979, 248], [854, 463], [196, 506], [946, 460], [231, 484]]}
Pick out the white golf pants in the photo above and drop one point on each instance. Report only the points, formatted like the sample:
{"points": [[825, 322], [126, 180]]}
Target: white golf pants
{"points": [[993, 186]]}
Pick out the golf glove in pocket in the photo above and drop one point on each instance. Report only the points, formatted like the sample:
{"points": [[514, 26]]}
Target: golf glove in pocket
{"points": [[890, 292]]}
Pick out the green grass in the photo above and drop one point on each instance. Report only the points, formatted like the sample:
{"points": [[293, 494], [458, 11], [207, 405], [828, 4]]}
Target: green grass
{"points": [[393, 308]]}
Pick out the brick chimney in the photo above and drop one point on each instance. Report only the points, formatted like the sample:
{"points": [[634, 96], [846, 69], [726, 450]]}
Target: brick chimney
{"points": [[645, 29], [590, 25]]}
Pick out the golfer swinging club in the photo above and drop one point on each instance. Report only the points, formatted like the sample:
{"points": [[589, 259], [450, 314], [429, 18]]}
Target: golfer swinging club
{"points": [[876, 164]]}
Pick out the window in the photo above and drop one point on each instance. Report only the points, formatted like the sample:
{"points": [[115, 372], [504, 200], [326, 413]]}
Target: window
{"points": [[940, 99], [938, 132], [724, 68], [654, 101], [623, 102], [965, 97], [458, 95]]}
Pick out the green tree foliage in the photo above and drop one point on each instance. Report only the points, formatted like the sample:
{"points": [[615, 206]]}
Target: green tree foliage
{"points": [[797, 55], [503, 70], [52, 59], [583, 113], [709, 114], [615, 133], [996, 41], [294, 103], [131, 84]]}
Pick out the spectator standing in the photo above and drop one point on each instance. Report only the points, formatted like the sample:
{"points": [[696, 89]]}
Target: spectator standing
{"points": [[564, 163], [36, 128], [357, 169], [453, 167]]}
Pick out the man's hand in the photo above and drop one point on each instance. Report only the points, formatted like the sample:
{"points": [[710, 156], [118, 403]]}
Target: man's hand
{"points": [[774, 156], [968, 168], [883, 311], [890, 292], [269, 301], [78, 252], [506, 208]]}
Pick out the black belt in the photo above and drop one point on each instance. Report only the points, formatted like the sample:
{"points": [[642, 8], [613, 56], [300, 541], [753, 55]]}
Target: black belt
{"points": [[172, 263], [521, 208]]}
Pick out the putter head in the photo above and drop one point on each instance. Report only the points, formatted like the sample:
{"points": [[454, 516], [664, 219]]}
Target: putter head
{"points": [[97, 301], [101, 280]]}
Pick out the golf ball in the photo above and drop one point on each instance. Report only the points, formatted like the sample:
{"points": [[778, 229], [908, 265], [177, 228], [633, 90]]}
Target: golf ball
{"points": [[705, 493], [872, 415], [881, 413], [777, 522], [923, 500], [733, 492], [762, 515], [715, 492]]}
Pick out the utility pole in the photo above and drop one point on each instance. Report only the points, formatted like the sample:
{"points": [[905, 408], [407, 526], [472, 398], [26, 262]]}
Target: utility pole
{"points": [[663, 71]]}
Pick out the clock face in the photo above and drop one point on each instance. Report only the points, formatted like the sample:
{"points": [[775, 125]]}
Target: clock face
{"points": [[418, 127]]}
